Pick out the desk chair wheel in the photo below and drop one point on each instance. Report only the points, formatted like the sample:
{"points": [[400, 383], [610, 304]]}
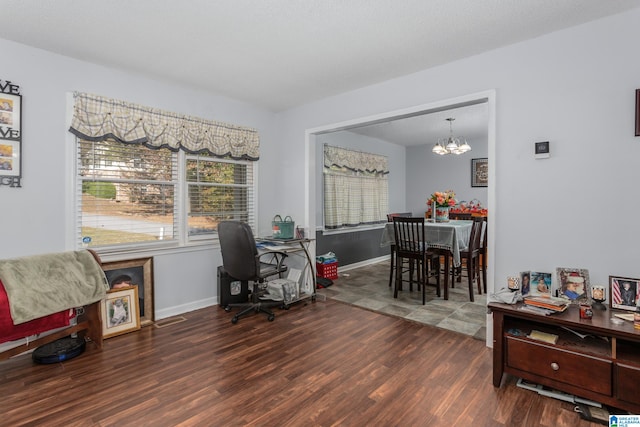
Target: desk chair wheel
{"points": [[234, 319], [227, 309], [271, 317]]}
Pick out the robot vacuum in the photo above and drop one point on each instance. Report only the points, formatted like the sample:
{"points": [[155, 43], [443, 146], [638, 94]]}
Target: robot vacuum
{"points": [[59, 350]]}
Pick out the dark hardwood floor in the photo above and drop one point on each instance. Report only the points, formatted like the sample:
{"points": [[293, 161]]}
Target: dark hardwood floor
{"points": [[322, 364]]}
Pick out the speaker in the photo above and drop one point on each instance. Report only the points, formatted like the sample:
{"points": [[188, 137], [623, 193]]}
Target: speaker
{"points": [[59, 350], [231, 290]]}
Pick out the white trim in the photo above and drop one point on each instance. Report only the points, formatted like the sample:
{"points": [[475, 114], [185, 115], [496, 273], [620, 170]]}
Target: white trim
{"points": [[329, 232], [70, 178], [363, 263], [184, 309]]}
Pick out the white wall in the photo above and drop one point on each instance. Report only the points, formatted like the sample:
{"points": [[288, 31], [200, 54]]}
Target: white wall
{"points": [[428, 172], [574, 88], [35, 215]]}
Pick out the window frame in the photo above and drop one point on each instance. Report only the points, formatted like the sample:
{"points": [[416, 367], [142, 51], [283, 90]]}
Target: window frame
{"points": [[182, 242]]}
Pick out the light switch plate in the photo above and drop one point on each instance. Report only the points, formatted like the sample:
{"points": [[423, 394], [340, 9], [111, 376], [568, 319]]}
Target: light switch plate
{"points": [[542, 150]]}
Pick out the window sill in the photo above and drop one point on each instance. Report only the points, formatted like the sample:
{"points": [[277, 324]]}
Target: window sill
{"points": [[119, 254], [326, 232]]}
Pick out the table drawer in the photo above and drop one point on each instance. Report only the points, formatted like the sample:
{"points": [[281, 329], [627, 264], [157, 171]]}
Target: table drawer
{"points": [[581, 370], [628, 378]]}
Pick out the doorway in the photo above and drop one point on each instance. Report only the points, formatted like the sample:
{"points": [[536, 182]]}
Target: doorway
{"points": [[312, 165]]}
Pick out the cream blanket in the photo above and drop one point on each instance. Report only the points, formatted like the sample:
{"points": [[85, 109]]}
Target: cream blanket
{"points": [[40, 285]]}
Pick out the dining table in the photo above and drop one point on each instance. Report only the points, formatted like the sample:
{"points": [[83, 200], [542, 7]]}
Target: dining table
{"points": [[451, 236]]}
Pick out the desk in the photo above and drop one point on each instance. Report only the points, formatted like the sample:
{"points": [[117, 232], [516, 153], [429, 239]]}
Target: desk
{"points": [[294, 247], [450, 236]]}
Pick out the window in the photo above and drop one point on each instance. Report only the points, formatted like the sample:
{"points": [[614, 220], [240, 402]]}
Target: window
{"points": [[138, 185], [217, 190], [356, 188], [129, 194]]}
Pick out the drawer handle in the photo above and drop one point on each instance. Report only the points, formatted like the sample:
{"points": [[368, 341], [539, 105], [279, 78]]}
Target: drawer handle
{"points": [[555, 366]]}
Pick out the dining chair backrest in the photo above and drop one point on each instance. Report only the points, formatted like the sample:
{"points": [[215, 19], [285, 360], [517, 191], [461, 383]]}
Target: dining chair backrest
{"points": [[409, 237], [460, 215], [476, 235], [398, 215]]}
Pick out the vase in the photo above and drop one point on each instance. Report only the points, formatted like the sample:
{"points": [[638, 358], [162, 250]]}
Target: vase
{"points": [[442, 213]]}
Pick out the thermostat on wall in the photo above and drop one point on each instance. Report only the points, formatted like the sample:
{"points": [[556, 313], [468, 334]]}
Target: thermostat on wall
{"points": [[542, 150]]}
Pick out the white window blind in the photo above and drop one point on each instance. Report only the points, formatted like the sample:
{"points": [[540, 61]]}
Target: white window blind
{"points": [[218, 190], [126, 193]]}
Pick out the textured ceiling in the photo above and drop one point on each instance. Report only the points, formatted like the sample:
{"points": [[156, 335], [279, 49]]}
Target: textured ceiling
{"points": [[282, 53]]}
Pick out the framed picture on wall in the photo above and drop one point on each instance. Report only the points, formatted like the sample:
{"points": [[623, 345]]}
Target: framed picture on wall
{"points": [[10, 136], [480, 172]]}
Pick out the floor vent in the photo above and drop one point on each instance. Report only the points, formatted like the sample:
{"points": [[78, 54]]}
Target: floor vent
{"points": [[168, 322]]}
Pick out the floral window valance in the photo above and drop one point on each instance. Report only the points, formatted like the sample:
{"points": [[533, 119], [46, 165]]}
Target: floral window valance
{"points": [[96, 118], [355, 160]]}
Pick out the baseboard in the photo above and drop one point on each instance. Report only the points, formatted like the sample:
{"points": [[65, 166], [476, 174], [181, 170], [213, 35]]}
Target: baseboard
{"points": [[185, 308], [364, 263]]}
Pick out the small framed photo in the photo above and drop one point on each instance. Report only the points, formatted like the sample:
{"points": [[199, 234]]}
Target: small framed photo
{"points": [[134, 272], [624, 293], [525, 283], [540, 284], [120, 312], [480, 172], [573, 284]]}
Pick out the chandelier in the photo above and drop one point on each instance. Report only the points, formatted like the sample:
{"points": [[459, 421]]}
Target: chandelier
{"points": [[451, 145]]}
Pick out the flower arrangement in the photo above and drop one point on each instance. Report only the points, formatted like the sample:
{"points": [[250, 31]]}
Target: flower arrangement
{"points": [[442, 199]]}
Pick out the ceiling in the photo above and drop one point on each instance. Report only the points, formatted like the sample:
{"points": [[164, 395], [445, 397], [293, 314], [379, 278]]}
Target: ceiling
{"points": [[279, 54], [471, 122]]}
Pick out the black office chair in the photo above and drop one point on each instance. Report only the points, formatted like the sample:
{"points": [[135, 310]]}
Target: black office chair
{"points": [[241, 260]]}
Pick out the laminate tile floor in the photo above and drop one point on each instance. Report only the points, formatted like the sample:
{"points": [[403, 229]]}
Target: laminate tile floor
{"points": [[368, 287]]}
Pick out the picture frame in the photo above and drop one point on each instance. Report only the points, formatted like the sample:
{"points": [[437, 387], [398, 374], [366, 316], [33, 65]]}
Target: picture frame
{"points": [[136, 272], [480, 172], [120, 312], [637, 112], [573, 284], [541, 284], [619, 297], [10, 135], [525, 283]]}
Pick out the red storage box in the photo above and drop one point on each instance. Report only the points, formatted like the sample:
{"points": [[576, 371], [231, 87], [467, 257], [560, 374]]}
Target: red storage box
{"points": [[327, 271]]}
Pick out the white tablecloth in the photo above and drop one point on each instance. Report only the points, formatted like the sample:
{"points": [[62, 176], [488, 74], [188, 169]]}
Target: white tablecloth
{"points": [[452, 236]]}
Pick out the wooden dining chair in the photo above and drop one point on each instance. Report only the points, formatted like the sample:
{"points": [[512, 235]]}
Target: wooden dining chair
{"points": [[469, 258], [392, 268], [411, 245], [483, 254]]}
